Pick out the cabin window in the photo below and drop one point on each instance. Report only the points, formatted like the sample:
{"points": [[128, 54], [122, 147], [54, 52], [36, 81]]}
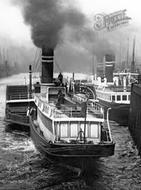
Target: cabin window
{"points": [[64, 130], [118, 98], [94, 130], [124, 97], [113, 98], [74, 131]]}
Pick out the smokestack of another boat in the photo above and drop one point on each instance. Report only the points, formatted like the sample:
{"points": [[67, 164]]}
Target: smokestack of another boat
{"points": [[109, 67], [47, 65]]}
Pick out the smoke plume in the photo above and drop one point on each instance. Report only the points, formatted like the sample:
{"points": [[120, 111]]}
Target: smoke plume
{"points": [[94, 43], [54, 22], [47, 19]]}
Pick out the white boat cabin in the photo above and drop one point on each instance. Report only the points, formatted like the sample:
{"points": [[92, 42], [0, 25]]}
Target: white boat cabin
{"points": [[74, 130], [111, 96], [117, 91], [67, 122]]}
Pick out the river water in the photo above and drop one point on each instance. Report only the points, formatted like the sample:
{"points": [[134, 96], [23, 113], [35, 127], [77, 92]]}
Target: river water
{"points": [[23, 168]]}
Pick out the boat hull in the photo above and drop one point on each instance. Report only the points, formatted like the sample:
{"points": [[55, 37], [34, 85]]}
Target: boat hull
{"points": [[17, 105], [76, 155], [118, 112], [16, 112]]}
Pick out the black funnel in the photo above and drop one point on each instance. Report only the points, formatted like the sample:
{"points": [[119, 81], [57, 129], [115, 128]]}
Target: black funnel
{"points": [[109, 67], [47, 65]]}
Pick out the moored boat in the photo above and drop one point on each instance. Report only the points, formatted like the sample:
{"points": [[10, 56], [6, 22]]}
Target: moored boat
{"points": [[64, 130], [113, 91], [17, 103], [19, 99]]}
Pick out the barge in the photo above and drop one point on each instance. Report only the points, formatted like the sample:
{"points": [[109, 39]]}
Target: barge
{"points": [[17, 104], [19, 99], [112, 90]]}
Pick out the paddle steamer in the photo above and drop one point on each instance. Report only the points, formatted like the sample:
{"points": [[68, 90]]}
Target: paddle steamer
{"points": [[113, 90], [64, 130]]}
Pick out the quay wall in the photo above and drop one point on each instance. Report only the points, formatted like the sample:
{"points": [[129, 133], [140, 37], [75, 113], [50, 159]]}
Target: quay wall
{"points": [[135, 115]]}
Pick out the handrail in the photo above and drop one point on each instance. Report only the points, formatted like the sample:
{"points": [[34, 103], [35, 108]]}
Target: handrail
{"points": [[108, 124], [70, 111], [20, 96], [19, 109]]}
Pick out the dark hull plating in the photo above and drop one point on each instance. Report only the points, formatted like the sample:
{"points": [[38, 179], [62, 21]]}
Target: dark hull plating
{"points": [[75, 155], [135, 115], [118, 112]]}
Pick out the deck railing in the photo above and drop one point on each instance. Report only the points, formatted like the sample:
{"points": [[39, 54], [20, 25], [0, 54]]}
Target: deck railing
{"points": [[70, 111], [14, 92], [17, 109], [17, 118], [18, 97]]}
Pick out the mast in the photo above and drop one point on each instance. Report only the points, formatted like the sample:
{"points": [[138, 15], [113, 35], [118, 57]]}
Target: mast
{"points": [[5, 62], [127, 53], [94, 67], [6, 68], [133, 58], [120, 59]]}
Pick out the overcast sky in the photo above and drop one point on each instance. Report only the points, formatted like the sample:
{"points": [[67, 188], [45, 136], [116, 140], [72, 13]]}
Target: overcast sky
{"points": [[13, 30], [12, 23], [109, 6]]}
